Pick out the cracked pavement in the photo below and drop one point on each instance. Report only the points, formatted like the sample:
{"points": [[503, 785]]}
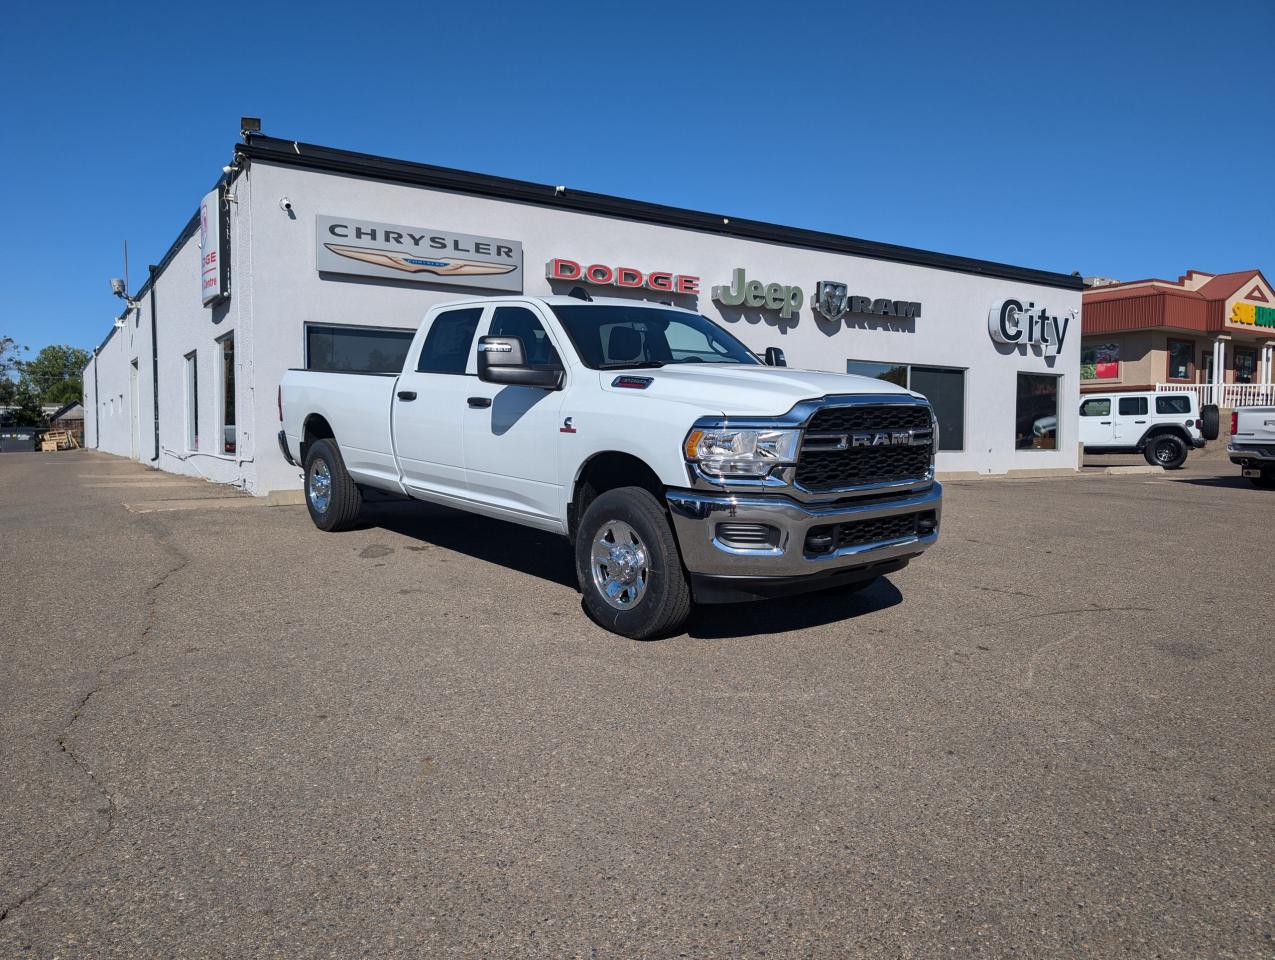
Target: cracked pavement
{"points": [[225, 734]]}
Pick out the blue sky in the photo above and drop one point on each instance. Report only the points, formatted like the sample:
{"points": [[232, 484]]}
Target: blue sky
{"points": [[1127, 140]]}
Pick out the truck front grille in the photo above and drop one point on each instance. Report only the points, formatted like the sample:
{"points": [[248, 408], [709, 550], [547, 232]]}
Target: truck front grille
{"points": [[857, 533], [830, 460]]}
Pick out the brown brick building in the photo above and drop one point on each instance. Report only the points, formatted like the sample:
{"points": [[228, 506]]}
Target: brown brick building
{"points": [[1213, 334]]}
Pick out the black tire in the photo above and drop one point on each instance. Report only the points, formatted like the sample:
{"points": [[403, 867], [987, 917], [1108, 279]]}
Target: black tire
{"points": [[341, 509], [1266, 481], [1165, 450], [1212, 421], [659, 593]]}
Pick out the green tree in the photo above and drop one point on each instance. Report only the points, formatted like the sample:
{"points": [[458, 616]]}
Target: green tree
{"points": [[55, 373], [10, 363], [24, 410]]}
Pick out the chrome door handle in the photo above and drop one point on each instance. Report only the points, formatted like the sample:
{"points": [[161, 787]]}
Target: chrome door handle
{"points": [[479, 403], [407, 394]]}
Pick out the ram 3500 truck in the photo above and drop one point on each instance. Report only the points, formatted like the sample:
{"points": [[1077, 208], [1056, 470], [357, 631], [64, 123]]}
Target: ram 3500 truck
{"points": [[679, 465], [1252, 444]]}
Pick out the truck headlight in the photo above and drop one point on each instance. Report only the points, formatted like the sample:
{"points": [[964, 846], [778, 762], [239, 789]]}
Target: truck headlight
{"points": [[741, 453]]}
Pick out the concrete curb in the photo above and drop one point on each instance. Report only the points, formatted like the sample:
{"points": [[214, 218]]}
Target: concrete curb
{"points": [[285, 498], [1132, 471]]}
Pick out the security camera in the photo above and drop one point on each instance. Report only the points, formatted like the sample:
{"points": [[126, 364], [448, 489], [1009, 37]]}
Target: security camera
{"points": [[228, 169], [285, 204], [118, 288]]}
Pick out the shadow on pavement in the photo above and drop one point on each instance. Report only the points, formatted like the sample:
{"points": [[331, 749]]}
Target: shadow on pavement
{"points": [[544, 555], [781, 615], [1234, 480], [550, 557]]}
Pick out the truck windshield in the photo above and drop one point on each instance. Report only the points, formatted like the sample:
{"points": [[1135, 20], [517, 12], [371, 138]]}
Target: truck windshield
{"points": [[614, 337]]}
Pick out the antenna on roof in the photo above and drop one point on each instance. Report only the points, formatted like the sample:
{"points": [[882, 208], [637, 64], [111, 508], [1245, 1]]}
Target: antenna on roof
{"points": [[580, 294]]}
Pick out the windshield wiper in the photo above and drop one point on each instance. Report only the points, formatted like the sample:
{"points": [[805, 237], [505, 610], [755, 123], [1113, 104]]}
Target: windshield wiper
{"points": [[639, 365]]}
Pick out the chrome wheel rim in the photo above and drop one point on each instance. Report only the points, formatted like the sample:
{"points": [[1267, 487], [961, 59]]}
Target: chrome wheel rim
{"points": [[320, 486], [618, 562]]}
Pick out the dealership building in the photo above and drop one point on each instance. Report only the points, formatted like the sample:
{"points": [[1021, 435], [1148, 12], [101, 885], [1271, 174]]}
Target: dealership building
{"points": [[313, 257]]}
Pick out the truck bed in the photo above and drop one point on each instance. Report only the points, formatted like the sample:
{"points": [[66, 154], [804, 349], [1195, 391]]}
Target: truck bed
{"points": [[357, 408]]}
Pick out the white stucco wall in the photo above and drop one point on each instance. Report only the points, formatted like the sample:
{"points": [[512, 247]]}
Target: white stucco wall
{"points": [[276, 290]]}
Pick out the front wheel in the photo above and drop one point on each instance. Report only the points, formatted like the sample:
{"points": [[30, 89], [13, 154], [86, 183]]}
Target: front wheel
{"points": [[330, 495], [630, 574], [1165, 451]]}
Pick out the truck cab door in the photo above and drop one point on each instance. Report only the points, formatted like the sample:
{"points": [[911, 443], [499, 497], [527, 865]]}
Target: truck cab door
{"points": [[1096, 425], [1132, 420], [511, 432], [429, 404]]}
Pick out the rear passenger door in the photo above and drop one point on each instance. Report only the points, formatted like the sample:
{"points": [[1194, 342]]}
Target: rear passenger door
{"points": [[1096, 428], [1132, 419], [429, 405]]}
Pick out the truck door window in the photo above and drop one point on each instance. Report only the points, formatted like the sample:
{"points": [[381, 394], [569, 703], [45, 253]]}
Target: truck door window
{"points": [[526, 326], [1133, 406], [1096, 408], [449, 340]]}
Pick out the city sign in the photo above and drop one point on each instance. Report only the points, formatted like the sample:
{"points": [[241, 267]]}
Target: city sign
{"points": [[1013, 322]]}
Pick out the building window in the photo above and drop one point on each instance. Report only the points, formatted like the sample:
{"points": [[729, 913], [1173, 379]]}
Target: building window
{"points": [[227, 398], [1100, 361], [944, 387], [1036, 413], [1181, 353], [192, 401], [356, 349], [1133, 406], [447, 344], [1096, 407], [1245, 365]]}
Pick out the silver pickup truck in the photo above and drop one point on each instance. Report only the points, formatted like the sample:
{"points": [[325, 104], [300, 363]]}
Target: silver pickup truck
{"points": [[1252, 444]]}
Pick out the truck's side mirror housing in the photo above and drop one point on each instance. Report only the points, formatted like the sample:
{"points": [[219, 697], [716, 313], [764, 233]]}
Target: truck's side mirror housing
{"points": [[775, 357], [503, 360]]}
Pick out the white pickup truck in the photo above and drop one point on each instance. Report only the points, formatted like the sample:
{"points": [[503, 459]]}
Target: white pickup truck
{"points": [[1252, 444], [680, 466]]}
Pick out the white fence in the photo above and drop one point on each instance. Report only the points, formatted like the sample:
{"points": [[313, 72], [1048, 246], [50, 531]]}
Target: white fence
{"points": [[1226, 394]]}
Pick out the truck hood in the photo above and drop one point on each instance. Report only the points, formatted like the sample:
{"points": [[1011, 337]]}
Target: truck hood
{"points": [[739, 390]]}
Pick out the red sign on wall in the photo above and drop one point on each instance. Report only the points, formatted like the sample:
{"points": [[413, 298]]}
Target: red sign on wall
{"points": [[624, 277]]}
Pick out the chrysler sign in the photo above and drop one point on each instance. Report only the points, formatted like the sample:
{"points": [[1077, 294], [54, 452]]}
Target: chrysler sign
{"points": [[392, 251]]}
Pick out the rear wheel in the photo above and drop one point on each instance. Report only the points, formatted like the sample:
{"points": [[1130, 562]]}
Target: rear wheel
{"points": [[630, 574], [1165, 451], [330, 495]]}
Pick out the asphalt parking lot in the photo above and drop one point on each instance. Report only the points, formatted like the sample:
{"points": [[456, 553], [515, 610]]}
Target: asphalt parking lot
{"points": [[225, 734]]}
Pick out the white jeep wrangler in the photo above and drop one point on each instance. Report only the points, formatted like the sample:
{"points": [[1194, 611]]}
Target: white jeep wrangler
{"points": [[1163, 427]]}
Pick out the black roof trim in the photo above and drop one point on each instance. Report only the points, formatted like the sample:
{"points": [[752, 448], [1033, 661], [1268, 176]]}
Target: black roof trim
{"points": [[296, 154], [188, 231]]}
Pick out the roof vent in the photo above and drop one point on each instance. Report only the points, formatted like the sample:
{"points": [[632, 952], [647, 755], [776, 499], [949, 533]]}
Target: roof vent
{"points": [[580, 294]]}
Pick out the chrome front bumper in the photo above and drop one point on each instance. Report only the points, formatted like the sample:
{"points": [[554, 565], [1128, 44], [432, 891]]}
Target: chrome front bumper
{"points": [[696, 515]]}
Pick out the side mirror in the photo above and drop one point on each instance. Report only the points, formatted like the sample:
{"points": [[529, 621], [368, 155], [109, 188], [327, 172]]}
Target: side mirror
{"points": [[775, 357], [503, 360]]}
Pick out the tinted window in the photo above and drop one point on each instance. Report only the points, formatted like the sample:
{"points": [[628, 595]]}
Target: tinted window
{"points": [[615, 337], [1096, 408], [945, 389], [889, 372], [1133, 406], [1175, 404], [1180, 355], [356, 349], [1036, 412], [447, 344], [526, 326]]}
